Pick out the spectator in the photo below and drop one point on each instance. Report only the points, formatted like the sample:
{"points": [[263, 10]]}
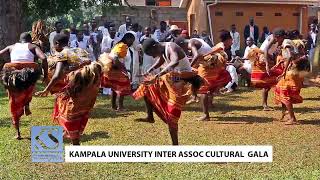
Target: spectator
{"points": [[104, 29], [185, 34], [206, 38], [73, 32], [80, 41], [58, 27], [136, 29], [96, 39], [251, 30], [250, 45], [162, 31], [172, 34], [265, 34], [124, 28], [86, 34], [312, 42], [195, 34], [108, 42], [147, 35], [235, 48]]}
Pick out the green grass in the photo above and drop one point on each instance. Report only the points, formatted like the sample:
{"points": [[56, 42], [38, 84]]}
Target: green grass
{"points": [[237, 120]]}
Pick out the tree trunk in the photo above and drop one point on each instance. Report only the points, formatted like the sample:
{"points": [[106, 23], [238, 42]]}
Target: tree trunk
{"points": [[10, 21]]}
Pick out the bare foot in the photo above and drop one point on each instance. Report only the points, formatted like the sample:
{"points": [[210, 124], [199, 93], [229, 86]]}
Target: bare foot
{"points": [[204, 118], [291, 122], [27, 111], [191, 101], [267, 108], [148, 120], [121, 110], [18, 137]]}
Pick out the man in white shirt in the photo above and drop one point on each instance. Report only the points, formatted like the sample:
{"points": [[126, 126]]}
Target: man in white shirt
{"points": [[158, 33], [250, 45], [58, 27], [73, 33], [108, 42], [235, 48], [124, 28], [80, 42], [104, 29]]}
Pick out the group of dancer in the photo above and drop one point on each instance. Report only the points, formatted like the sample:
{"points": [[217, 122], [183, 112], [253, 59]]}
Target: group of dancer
{"points": [[171, 81]]}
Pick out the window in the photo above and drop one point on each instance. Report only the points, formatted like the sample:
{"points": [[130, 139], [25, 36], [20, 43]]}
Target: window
{"points": [[296, 14], [158, 2], [259, 14], [150, 2], [163, 2], [239, 13], [218, 13], [277, 14]]}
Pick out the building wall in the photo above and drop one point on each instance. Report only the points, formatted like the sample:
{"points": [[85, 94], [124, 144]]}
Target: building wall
{"points": [[197, 16], [287, 20], [145, 16], [174, 3]]}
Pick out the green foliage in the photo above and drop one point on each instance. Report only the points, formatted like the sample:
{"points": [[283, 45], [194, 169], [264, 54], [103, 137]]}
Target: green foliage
{"points": [[67, 11]]}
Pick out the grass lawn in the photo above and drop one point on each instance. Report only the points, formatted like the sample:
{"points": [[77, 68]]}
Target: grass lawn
{"points": [[237, 120]]}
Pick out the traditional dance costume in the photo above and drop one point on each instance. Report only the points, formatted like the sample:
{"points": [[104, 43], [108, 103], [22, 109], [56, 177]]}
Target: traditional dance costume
{"points": [[287, 90], [116, 77], [20, 77], [169, 93], [213, 70]]}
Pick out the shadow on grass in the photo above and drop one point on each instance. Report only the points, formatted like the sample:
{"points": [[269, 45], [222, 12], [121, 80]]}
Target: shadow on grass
{"points": [[310, 122], [98, 113], [5, 122], [95, 135], [313, 99], [242, 120]]}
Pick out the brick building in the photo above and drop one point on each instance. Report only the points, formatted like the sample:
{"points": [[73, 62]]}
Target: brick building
{"points": [[214, 15]]}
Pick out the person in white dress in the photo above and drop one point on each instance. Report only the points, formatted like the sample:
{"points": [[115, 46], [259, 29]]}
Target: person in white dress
{"points": [[235, 48]]}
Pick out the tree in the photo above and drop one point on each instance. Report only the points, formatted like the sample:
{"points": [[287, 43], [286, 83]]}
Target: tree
{"points": [[14, 12], [10, 21]]}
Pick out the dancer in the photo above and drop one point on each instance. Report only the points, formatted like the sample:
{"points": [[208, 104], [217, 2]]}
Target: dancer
{"points": [[198, 48], [213, 70], [167, 92], [75, 84], [287, 90], [21, 75], [115, 74], [265, 74]]}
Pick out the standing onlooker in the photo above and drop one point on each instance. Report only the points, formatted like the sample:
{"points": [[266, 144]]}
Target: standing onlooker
{"points": [[80, 42], [195, 34], [185, 34], [136, 29], [161, 31], [147, 35], [206, 38], [104, 29], [235, 48], [251, 30], [73, 33], [109, 41], [124, 28], [58, 27], [172, 34], [265, 34], [96, 39], [312, 42], [147, 60]]}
